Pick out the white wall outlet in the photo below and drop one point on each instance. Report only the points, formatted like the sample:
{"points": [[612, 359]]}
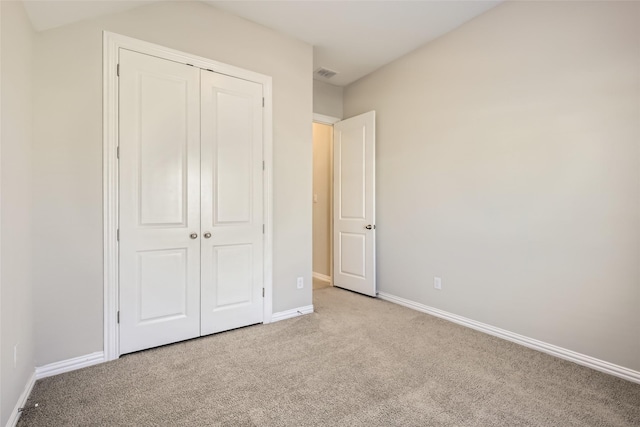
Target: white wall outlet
{"points": [[437, 283], [300, 282], [15, 356]]}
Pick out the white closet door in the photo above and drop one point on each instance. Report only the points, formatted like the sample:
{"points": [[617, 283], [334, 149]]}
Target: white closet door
{"points": [[232, 204], [159, 201]]}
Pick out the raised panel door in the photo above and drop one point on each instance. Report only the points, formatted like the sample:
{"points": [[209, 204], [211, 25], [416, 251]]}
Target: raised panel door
{"points": [[232, 203], [159, 201], [354, 204]]}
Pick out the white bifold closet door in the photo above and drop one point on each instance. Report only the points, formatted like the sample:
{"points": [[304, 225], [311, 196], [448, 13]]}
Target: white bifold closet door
{"points": [[191, 207], [232, 258]]}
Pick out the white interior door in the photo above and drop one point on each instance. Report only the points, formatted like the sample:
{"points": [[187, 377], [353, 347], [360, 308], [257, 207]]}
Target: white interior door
{"points": [[232, 204], [354, 204], [159, 201]]}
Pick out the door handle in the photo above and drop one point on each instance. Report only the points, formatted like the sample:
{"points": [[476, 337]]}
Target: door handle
{"points": [[370, 227], [193, 235], [207, 235]]}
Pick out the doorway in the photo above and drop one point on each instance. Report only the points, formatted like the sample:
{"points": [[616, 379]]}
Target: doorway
{"points": [[221, 143], [344, 226], [322, 204], [191, 216]]}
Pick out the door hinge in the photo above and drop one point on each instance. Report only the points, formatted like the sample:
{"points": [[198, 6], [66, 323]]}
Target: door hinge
{"points": [[118, 152], [118, 70], [263, 165], [262, 102], [118, 316], [262, 292], [262, 228], [118, 234]]}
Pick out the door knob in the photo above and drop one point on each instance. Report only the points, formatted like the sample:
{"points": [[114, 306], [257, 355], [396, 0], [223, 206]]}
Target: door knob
{"points": [[370, 227], [207, 235], [193, 235]]}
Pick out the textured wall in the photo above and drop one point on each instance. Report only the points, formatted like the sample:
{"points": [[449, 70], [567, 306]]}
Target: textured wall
{"points": [[68, 158], [16, 305], [327, 99], [508, 158]]}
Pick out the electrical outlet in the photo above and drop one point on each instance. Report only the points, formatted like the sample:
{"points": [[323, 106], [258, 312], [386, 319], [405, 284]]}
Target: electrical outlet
{"points": [[300, 282], [15, 356], [437, 283]]}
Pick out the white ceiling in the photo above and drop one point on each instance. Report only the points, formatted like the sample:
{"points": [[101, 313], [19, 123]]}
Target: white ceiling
{"points": [[47, 14], [353, 38]]}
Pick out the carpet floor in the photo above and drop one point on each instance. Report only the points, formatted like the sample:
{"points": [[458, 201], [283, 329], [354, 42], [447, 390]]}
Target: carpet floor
{"points": [[356, 361], [320, 284]]}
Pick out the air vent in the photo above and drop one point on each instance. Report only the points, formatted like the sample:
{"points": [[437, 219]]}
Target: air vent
{"points": [[325, 73]]}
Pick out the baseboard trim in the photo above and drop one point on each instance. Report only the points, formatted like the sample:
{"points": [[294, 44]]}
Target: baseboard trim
{"points": [[560, 352], [69, 365], [322, 277], [288, 314], [22, 400]]}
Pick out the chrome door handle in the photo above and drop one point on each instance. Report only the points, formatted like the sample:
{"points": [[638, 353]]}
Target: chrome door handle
{"points": [[370, 227], [207, 235], [193, 235]]}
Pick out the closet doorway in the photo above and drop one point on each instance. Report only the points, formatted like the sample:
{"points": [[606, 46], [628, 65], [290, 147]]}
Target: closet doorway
{"points": [[188, 193]]}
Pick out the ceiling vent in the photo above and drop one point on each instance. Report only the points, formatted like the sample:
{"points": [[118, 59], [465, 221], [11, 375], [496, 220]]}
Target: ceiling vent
{"points": [[324, 73]]}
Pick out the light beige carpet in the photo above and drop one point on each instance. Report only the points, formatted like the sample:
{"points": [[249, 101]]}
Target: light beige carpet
{"points": [[320, 284], [356, 361]]}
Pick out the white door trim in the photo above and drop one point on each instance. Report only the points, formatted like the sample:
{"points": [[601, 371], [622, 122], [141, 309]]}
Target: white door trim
{"points": [[325, 120], [111, 44]]}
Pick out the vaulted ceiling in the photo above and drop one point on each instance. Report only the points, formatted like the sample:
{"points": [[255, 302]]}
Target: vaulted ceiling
{"points": [[352, 38]]}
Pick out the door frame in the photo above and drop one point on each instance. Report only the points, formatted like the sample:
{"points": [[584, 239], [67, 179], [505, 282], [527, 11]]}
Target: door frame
{"points": [[112, 42], [325, 120]]}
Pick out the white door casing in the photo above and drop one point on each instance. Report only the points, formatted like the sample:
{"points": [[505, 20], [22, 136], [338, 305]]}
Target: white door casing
{"points": [[354, 204], [159, 201], [112, 44], [232, 220]]}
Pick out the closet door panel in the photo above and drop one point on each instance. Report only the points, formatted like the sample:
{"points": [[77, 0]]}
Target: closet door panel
{"points": [[233, 155], [159, 165], [232, 203]]}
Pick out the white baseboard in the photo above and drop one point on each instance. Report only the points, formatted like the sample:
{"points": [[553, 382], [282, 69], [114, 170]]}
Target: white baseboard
{"points": [[69, 365], [562, 353], [281, 315], [322, 277], [22, 400]]}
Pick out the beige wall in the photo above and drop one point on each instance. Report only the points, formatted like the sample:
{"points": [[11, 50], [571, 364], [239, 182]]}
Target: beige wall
{"points": [[327, 99], [16, 310], [68, 158], [508, 163], [322, 191]]}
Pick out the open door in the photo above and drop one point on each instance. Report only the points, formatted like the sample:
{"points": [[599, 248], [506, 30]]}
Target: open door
{"points": [[354, 228]]}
